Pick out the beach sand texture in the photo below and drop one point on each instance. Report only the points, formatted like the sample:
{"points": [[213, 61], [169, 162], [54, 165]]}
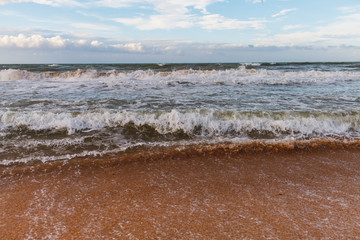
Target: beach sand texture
{"points": [[291, 195]]}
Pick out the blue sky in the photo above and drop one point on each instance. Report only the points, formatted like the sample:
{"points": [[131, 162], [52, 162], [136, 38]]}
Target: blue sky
{"points": [[128, 31]]}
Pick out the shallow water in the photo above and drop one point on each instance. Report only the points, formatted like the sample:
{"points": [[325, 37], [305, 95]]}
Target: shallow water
{"points": [[297, 194]]}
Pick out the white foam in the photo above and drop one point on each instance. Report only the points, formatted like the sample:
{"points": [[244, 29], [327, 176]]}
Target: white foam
{"points": [[51, 158], [16, 74], [30, 144], [86, 153], [240, 75], [193, 122]]}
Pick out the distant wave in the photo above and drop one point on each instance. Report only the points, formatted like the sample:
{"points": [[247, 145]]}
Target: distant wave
{"points": [[240, 75]]}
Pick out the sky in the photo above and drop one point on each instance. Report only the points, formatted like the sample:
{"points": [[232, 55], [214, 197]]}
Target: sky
{"points": [[173, 31]]}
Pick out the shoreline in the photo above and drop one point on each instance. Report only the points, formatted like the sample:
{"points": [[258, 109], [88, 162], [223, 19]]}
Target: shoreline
{"points": [[254, 195], [156, 153]]}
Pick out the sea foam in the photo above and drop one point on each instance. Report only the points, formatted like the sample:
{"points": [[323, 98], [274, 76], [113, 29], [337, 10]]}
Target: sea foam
{"points": [[240, 75], [203, 123]]}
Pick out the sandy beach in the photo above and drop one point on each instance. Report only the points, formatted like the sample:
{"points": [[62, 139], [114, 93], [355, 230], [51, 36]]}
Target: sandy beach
{"points": [[291, 195]]}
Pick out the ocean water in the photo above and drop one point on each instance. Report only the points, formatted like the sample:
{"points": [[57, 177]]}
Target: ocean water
{"points": [[58, 112]]}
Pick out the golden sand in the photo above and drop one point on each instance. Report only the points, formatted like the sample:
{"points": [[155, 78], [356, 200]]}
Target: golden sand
{"points": [[285, 195]]}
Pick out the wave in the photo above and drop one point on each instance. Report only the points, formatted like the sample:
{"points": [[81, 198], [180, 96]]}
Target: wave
{"points": [[203, 123], [240, 75], [50, 136]]}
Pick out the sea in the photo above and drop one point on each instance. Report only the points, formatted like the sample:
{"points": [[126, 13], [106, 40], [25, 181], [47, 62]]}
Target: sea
{"points": [[58, 112]]}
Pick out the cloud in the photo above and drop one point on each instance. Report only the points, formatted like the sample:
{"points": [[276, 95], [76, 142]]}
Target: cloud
{"points": [[208, 22], [54, 3], [20, 49], [180, 14], [161, 6], [344, 31], [22, 41], [218, 22], [130, 47], [291, 39], [169, 14], [258, 1], [292, 27], [350, 9], [344, 27], [10, 13], [34, 41], [39, 42], [117, 3], [96, 43], [283, 12], [90, 26], [158, 22]]}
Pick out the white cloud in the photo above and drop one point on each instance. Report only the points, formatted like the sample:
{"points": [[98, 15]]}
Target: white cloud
{"points": [[169, 14], [117, 3], [83, 51], [54, 3], [344, 31], [258, 1], [96, 43], [97, 27], [350, 9], [34, 41], [283, 12], [81, 42], [10, 13], [292, 39], [162, 6], [223, 46], [178, 14], [345, 26], [131, 47], [292, 27], [39, 42], [209, 22], [218, 22], [137, 21], [158, 22]]}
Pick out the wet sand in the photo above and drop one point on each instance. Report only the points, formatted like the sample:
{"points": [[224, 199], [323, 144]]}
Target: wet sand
{"points": [[293, 195]]}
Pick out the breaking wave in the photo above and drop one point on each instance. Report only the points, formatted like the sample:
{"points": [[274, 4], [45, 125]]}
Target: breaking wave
{"points": [[191, 123], [241, 75]]}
